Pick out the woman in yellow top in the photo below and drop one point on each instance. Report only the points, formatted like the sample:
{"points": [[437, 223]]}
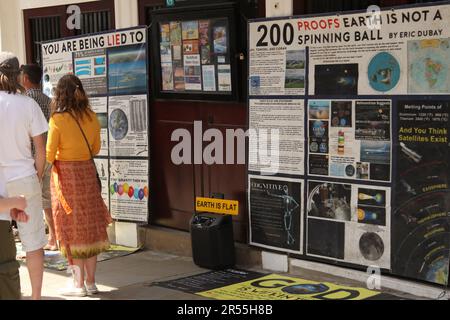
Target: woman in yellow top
{"points": [[80, 214]]}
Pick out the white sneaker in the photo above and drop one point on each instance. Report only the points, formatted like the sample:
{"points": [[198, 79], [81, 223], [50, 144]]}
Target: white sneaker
{"points": [[73, 291], [91, 289]]}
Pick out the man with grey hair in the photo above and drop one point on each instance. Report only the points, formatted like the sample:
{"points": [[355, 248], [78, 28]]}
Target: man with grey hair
{"points": [[21, 120]]}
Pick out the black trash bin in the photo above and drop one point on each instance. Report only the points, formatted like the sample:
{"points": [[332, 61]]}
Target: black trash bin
{"points": [[212, 241]]}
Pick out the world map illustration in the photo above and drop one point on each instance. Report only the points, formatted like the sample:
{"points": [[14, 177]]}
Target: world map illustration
{"points": [[428, 69]]}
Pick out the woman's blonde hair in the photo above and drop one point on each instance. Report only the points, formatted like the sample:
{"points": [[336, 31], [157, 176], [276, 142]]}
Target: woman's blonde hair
{"points": [[71, 97]]}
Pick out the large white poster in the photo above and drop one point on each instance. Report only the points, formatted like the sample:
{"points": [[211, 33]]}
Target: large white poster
{"points": [[113, 70], [129, 189], [399, 51]]}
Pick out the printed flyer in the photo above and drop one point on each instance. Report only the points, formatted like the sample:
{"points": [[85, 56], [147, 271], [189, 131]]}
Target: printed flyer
{"points": [[90, 67], [128, 126], [350, 139], [276, 213], [421, 224], [129, 189], [285, 116], [350, 223]]}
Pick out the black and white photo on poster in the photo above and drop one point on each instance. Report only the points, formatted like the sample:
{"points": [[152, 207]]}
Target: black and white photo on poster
{"points": [[128, 126], [421, 219], [100, 107], [102, 166], [276, 213], [129, 189], [349, 223], [286, 116], [352, 136]]}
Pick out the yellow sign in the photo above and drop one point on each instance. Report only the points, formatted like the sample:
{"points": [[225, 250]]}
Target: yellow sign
{"points": [[277, 287], [221, 206]]}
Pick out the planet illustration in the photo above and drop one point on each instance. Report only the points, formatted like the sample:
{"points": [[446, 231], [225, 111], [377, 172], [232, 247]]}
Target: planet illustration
{"points": [[118, 124], [383, 72], [371, 246]]}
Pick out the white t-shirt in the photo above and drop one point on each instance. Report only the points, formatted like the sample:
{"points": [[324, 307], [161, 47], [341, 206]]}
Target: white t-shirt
{"points": [[21, 118]]}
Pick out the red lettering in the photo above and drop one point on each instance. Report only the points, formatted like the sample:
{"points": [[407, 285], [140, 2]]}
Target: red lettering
{"points": [[316, 24], [337, 23]]}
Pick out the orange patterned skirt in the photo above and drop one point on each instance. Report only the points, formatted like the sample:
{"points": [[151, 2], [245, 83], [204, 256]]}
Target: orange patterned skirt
{"points": [[79, 212]]}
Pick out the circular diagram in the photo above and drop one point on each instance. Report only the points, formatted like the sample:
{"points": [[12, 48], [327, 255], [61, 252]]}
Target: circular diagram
{"points": [[350, 170], [371, 246], [118, 124], [383, 72], [306, 289]]}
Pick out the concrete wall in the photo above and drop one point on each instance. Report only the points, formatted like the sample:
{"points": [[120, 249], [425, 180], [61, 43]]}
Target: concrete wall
{"points": [[12, 35]]}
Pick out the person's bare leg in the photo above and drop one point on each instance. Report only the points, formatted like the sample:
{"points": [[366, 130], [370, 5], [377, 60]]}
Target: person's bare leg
{"points": [[35, 265], [78, 270], [51, 229], [91, 266]]}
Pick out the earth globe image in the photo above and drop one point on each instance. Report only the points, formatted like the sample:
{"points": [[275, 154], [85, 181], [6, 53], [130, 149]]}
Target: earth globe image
{"points": [[118, 124], [383, 72]]}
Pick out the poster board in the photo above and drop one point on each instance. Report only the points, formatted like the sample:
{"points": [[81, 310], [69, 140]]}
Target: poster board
{"points": [[372, 97], [113, 68]]}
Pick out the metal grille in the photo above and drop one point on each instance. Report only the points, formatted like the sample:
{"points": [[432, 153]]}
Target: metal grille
{"points": [[92, 22], [43, 29]]}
